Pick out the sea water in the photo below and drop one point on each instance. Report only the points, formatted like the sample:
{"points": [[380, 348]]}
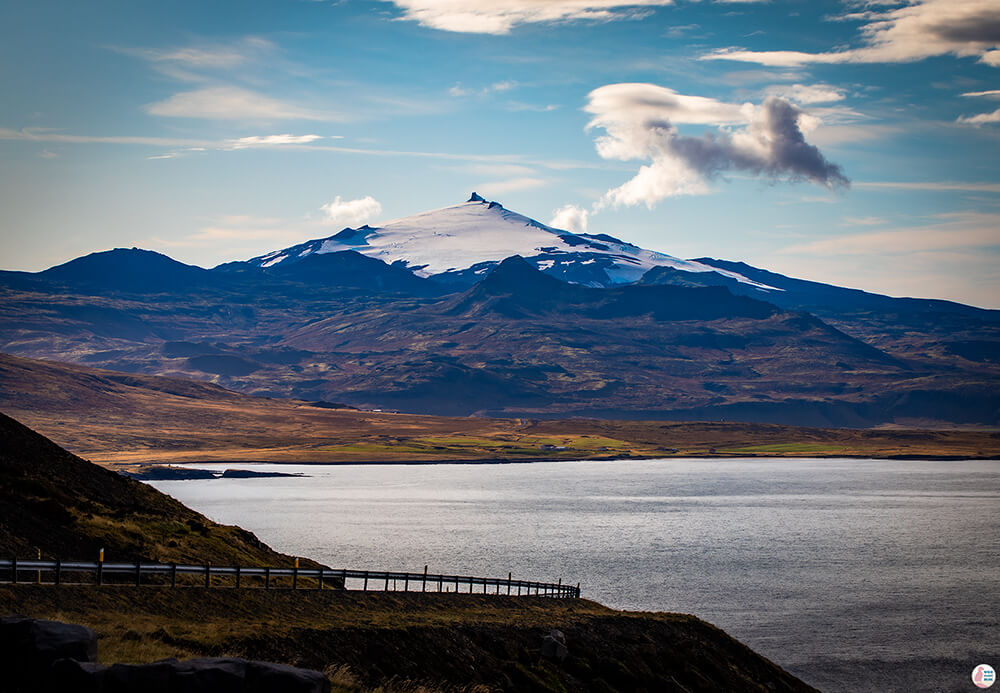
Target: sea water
{"points": [[854, 575]]}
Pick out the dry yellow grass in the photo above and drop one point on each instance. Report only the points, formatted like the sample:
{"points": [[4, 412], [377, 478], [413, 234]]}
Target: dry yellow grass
{"points": [[119, 419]]}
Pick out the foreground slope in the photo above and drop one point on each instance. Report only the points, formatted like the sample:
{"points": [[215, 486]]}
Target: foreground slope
{"points": [[407, 642]]}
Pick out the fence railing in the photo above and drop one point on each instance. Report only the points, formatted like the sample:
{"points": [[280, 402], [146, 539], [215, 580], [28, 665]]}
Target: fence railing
{"points": [[47, 572]]}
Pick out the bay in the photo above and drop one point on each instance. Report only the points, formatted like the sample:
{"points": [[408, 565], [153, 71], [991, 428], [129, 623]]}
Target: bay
{"points": [[854, 575]]}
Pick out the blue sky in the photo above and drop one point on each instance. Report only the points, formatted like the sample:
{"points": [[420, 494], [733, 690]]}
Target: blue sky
{"points": [[850, 142]]}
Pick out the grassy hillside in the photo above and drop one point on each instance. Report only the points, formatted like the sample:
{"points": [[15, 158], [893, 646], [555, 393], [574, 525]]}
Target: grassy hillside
{"points": [[112, 417], [66, 507]]}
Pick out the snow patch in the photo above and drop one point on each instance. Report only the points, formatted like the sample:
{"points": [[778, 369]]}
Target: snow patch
{"points": [[273, 261]]}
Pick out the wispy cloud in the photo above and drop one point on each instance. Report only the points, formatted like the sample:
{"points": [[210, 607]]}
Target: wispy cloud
{"points": [[981, 118], [272, 140], [950, 232], [954, 257], [502, 187], [233, 103], [458, 90], [48, 135], [44, 135], [862, 221], [916, 30], [224, 55], [641, 123], [806, 93], [940, 186], [501, 16], [205, 61], [991, 94]]}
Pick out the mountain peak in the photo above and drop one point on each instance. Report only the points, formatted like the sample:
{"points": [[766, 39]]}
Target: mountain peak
{"points": [[461, 242], [516, 275]]}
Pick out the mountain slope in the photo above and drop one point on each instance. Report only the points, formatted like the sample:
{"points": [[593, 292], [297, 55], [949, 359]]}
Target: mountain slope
{"points": [[460, 244], [940, 333]]}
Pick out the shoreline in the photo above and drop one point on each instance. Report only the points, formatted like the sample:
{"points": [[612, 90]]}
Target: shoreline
{"points": [[534, 460]]}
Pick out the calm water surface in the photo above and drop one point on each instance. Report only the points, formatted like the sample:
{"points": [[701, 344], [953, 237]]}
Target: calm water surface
{"points": [[855, 575]]}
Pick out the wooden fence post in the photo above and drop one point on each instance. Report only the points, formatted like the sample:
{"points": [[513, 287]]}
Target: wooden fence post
{"points": [[423, 587], [138, 574], [173, 575], [295, 575], [509, 576], [100, 567], [365, 588], [267, 578], [320, 587], [58, 570], [238, 576], [208, 575]]}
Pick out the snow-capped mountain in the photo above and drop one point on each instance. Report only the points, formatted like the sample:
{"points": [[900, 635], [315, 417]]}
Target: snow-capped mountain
{"points": [[462, 243]]}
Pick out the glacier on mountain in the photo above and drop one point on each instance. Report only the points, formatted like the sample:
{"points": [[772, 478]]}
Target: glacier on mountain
{"points": [[458, 243]]}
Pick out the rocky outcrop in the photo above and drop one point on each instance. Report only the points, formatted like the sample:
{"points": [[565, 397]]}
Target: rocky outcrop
{"points": [[39, 656], [219, 675]]}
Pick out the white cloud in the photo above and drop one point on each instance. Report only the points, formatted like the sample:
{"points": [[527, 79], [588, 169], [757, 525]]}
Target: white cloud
{"points": [[231, 103], [350, 212], [806, 93], [982, 118], [916, 30], [570, 218], [500, 16], [648, 102], [271, 140], [641, 123]]}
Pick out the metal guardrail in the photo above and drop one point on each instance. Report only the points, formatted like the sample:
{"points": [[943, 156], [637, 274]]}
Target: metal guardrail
{"points": [[267, 577]]}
